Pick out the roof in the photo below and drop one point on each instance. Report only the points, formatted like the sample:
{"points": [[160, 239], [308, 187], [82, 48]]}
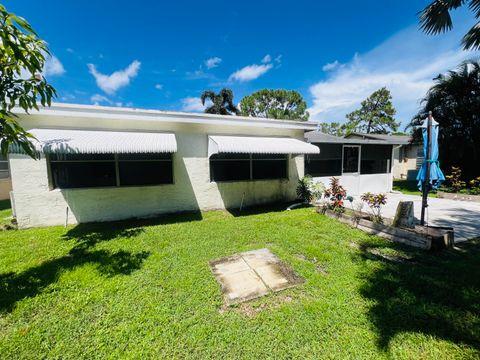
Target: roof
{"points": [[158, 116], [391, 139], [62, 141], [259, 145]]}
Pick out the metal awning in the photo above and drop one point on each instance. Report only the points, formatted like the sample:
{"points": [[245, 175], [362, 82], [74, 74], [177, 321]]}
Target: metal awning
{"points": [[259, 145], [64, 141]]}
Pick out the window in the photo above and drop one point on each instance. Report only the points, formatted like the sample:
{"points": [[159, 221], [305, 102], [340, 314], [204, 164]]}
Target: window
{"points": [[376, 159], [104, 170], [351, 156], [327, 163], [236, 167], [4, 173]]}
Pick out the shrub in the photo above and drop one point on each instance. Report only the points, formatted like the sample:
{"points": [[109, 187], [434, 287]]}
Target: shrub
{"points": [[308, 190], [336, 194], [375, 203], [454, 179]]}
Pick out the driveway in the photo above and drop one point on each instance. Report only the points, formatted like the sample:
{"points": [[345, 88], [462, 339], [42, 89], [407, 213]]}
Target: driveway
{"points": [[463, 216]]}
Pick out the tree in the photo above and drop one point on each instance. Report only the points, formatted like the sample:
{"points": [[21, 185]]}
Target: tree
{"points": [[376, 115], [222, 103], [333, 128], [22, 58], [454, 100], [275, 104], [435, 19]]}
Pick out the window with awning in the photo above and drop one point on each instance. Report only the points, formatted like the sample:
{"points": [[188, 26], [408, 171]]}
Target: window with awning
{"points": [[85, 159], [236, 158]]}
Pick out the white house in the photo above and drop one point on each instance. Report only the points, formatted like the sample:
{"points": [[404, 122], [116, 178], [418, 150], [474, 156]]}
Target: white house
{"points": [[103, 163], [361, 164]]}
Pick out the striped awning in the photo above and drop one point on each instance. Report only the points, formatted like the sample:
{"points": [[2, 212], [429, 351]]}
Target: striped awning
{"points": [[63, 141], [259, 145]]}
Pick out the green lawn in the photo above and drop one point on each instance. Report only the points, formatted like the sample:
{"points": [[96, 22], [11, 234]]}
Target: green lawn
{"points": [[145, 290], [409, 187]]}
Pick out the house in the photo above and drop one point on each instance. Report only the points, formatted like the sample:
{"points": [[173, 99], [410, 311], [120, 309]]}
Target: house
{"points": [[362, 164], [407, 157], [103, 163], [5, 181]]}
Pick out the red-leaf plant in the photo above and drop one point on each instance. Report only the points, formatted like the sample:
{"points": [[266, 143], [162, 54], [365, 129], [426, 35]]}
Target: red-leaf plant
{"points": [[336, 194]]}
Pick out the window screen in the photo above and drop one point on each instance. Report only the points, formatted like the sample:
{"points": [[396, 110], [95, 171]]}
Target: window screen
{"points": [[327, 163], [104, 170], [4, 173], [376, 159], [236, 167], [351, 155]]}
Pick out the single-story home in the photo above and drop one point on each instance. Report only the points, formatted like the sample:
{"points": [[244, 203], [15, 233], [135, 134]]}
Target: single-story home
{"points": [[362, 164], [407, 157], [103, 163], [5, 180]]}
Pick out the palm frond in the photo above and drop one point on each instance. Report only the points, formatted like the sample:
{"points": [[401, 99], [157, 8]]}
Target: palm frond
{"points": [[208, 94], [435, 18], [471, 40]]}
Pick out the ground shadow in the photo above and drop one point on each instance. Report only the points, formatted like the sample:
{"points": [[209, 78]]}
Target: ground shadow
{"points": [[436, 294], [31, 282]]}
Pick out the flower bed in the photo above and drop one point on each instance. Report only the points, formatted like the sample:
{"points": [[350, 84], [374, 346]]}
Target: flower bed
{"points": [[427, 238]]}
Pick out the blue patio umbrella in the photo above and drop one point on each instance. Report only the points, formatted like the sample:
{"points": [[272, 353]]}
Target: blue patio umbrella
{"points": [[430, 176]]}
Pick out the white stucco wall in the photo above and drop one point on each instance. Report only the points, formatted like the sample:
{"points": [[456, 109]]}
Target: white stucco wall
{"points": [[38, 205], [405, 166], [359, 184]]}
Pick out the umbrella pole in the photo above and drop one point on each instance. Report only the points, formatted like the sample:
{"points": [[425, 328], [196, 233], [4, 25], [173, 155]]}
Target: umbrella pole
{"points": [[426, 182]]}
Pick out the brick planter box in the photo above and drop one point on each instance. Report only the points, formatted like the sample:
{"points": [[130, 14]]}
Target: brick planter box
{"points": [[426, 238], [458, 196]]}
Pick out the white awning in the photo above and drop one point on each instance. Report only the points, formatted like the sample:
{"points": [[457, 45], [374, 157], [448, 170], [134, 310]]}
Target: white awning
{"points": [[259, 145], [64, 141]]}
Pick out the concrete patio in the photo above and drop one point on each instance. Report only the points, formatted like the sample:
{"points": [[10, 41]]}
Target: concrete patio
{"points": [[463, 216]]}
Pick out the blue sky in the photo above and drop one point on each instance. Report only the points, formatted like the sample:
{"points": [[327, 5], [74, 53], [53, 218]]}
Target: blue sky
{"points": [[163, 54]]}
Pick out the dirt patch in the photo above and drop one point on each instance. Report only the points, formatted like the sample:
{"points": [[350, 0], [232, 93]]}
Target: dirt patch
{"points": [[250, 309]]}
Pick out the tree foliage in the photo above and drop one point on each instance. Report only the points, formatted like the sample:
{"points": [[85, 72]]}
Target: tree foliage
{"points": [[436, 18], [275, 104], [22, 58], [454, 101], [376, 114], [222, 103]]}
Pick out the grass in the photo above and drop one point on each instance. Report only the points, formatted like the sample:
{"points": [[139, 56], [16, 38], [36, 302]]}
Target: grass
{"points": [[409, 187], [143, 289]]}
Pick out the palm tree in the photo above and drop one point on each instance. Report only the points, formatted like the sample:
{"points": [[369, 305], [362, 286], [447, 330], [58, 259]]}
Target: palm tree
{"points": [[435, 19], [454, 100], [222, 103]]}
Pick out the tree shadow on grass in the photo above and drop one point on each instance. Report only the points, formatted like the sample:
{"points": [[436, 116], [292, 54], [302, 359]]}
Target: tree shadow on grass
{"points": [[31, 282], [436, 294]]}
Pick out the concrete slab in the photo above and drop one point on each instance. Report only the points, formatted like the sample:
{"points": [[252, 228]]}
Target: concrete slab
{"points": [[252, 274]]}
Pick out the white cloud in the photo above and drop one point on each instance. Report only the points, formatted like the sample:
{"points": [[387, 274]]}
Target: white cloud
{"points": [[331, 66], [111, 83], [70, 50], [53, 67], [192, 104], [213, 62], [406, 63], [158, 86], [250, 72], [97, 99], [266, 59]]}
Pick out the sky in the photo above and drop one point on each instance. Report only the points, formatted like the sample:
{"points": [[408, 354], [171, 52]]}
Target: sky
{"points": [[163, 54]]}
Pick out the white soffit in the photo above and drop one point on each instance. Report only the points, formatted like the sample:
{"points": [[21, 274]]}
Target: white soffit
{"points": [[259, 145], [63, 141]]}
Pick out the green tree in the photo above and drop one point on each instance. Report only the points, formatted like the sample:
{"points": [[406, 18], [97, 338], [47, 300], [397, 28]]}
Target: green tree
{"points": [[333, 128], [22, 58], [376, 114], [275, 104], [222, 103], [435, 19], [454, 100]]}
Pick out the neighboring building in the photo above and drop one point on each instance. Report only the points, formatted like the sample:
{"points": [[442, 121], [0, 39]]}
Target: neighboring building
{"points": [[5, 181], [407, 158], [102, 163], [361, 164]]}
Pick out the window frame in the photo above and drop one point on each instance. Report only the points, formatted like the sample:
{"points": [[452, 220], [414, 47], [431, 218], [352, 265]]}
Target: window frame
{"points": [[250, 159], [116, 162], [7, 171], [358, 160]]}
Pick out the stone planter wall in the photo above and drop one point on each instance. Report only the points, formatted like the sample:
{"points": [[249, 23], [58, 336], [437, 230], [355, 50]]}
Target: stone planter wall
{"points": [[458, 196], [419, 237]]}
